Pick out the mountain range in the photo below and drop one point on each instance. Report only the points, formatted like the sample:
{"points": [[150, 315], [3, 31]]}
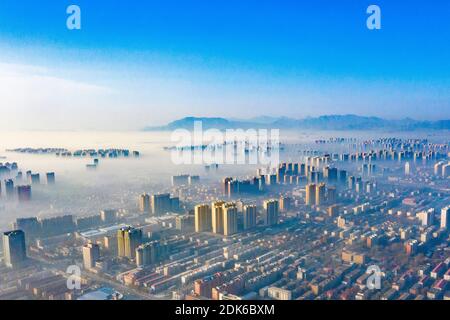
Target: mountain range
{"points": [[326, 122]]}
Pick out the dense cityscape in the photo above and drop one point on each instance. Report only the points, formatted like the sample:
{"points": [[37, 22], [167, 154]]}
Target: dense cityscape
{"points": [[224, 159], [368, 220]]}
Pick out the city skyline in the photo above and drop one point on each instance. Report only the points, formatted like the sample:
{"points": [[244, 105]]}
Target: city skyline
{"points": [[368, 221]]}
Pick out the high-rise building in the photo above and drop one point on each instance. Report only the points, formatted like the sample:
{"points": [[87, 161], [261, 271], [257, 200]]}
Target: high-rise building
{"points": [[326, 172], [57, 225], [342, 176], [229, 219], [407, 168], [150, 253], [128, 239], [217, 217], [88, 222], [302, 169], [194, 180], [332, 174], [359, 186], [446, 170], [185, 223], [249, 212], [28, 174], [313, 176], [295, 169], [202, 218], [91, 254], [4, 170], [271, 208], [331, 195], [50, 177], [31, 226], [333, 210], [310, 198], [24, 193], [426, 217], [35, 178], [111, 244], [143, 255], [233, 188], [271, 179], [161, 204], [180, 180], [144, 203], [351, 182], [411, 246], [9, 188], [108, 215], [225, 187], [285, 204], [175, 204], [438, 167], [320, 194], [445, 217], [14, 249]]}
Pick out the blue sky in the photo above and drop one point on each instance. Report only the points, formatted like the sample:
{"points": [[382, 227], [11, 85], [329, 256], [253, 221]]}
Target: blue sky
{"points": [[135, 63]]}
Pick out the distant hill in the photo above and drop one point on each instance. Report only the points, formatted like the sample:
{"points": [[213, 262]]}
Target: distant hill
{"points": [[327, 122]]}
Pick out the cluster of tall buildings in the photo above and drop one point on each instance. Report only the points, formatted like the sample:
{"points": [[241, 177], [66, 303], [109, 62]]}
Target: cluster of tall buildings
{"points": [[294, 173], [12, 187], [7, 168], [442, 169], [128, 239], [184, 180], [151, 253], [37, 227], [21, 192], [158, 204], [288, 174], [223, 217], [232, 187], [319, 194], [131, 244], [220, 218], [426, 217], [388, 151]]}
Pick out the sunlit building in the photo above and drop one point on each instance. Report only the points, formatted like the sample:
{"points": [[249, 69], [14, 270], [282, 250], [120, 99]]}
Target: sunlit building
{"points": [[445, 217], [310, 198], [203, 218], [144, 203], [271, 208], [217, 216], [91, 254], [320, 194], [249, 213], [128, 239], [14, 249], [229, 219]]}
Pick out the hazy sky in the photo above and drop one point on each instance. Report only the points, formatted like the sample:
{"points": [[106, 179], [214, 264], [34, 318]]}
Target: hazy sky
{"points": [[135, 64]]}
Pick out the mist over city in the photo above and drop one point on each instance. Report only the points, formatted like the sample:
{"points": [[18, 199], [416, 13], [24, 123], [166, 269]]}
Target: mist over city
{"points": [[230, 153]]}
